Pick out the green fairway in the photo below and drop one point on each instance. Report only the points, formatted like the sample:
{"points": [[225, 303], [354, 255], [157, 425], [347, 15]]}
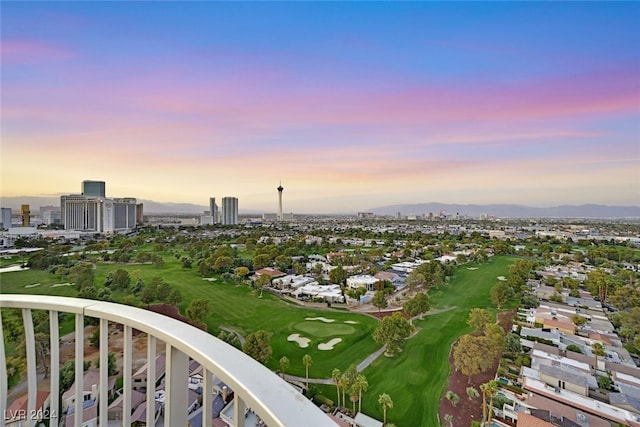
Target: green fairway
{"points": [[237, 307], [415, 379]]}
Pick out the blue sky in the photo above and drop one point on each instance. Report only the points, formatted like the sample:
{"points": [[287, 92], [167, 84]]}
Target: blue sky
{"points": [[352, 105]]}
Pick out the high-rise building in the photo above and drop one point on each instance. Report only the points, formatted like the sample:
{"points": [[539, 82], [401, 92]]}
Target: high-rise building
{"points": [[97, 214], [280, 190], [213, 211], [25, 214], [229, 210], [6, 218], [82, 213], [124, 214], [93, 188], [139, 213]]}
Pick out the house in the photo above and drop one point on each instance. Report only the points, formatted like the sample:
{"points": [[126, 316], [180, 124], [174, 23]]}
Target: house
{"points": [[115, 408], [90, 391], [269, 271], [16, 415], [560, 414], [362, 281], [89, 414], [565, 378], [90, 396], [140, 376]]}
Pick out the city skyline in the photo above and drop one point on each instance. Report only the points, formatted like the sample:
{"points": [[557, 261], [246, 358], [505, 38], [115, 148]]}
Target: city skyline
{"points": [[350, 105]]}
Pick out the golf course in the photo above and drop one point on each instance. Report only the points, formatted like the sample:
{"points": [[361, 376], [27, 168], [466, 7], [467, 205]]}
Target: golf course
{"points": [[334, 338]]}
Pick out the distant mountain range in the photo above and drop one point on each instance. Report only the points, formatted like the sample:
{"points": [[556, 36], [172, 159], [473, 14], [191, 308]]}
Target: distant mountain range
{"points": [[497, 210], [513, 211]]}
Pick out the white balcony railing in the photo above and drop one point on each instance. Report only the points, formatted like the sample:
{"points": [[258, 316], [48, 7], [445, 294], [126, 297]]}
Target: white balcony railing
{"points": [[254, 386]]}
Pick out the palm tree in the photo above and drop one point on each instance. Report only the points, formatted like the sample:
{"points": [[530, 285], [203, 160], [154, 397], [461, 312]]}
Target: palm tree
{"points": [[598, 350], [362, 385], [488, 389], [335, 376], [344, 383], [307, 361], [385, 401], [284, 364]]}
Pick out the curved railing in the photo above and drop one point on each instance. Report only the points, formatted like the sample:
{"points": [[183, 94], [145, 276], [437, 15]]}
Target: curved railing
{"points": [[274, 401]]}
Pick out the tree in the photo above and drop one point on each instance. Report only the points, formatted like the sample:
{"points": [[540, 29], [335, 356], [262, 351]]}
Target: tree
{"points": [[186, 262], [261, 261], [307, 361], [417, 305], [501, 294], [174, 297], [495, 334], [379, 300], [284, 364], [94, 338], [598, 351], [258, 346], [198, 310], [158, 261], [392, 331], [385, 401], [512, 343], [241, 272], [479, 318], [112, 367], [343, 382], [148, 294], [415, 280], [599, 283], [82, 275], [223, 264], [422, 300], [335, 376], [361, 384], [121, 279], [488, 389], [262, 281], [625, 297], [452, 397], [338, 275], [471, 355]]}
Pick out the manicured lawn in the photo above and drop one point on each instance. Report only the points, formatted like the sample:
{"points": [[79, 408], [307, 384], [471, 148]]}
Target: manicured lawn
{"points": [[17, 282], [415, 379], [238, 307]]}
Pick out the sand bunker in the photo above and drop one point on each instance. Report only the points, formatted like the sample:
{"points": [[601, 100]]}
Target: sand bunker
{"points": [[302, 341], [329, 345], [209, 279], [502, 278], [62, 284], [472, 268], [32, 286], [352, 322], [13, 268], [322, 319]]}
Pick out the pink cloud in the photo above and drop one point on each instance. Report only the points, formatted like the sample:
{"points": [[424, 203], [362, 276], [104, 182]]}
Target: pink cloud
{"points": [[31, 52]]}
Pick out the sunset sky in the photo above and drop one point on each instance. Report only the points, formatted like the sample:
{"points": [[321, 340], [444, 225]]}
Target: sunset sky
{"points": [[351, 105]]}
